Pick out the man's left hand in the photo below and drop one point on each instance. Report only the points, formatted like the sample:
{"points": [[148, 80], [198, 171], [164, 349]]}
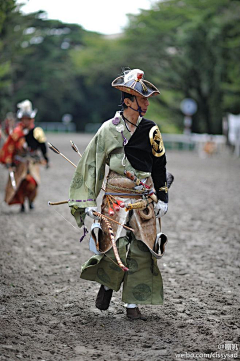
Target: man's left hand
{"points": [[160, 209]]}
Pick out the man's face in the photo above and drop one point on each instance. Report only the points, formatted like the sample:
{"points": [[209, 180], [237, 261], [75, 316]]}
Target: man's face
{"points": [[27, 122], [142, 102]]}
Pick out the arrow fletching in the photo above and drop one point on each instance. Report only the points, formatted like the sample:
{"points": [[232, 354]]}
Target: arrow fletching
{"points": [[54, 149], [170, 179], [75, 148]]}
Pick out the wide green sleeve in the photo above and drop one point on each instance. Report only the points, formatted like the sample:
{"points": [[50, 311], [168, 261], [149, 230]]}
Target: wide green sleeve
{"points": [[88, 177]]}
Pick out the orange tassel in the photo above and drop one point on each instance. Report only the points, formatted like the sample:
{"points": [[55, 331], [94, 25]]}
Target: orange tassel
{"points": [[110, 210]]}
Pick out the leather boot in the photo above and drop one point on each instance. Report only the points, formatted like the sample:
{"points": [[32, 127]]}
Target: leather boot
{"points": [[135, 314], [103, 298]]}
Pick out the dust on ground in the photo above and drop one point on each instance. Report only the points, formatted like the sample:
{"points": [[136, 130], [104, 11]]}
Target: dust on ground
{"points": [[48, 313]]}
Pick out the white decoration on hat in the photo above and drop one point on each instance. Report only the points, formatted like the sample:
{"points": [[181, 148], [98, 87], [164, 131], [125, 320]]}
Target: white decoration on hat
{"points": [[134, 74], [25, 106]]}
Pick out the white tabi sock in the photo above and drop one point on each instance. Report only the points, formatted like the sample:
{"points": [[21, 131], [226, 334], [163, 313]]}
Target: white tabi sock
{"points": [[131, 305]]}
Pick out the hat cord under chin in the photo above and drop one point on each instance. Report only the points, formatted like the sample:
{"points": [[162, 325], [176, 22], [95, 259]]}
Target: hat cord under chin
{"points": [[139, 109]]}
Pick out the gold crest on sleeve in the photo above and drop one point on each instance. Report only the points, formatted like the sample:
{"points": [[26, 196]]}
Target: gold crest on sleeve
{"points": [[39, 135], [156, 141]]}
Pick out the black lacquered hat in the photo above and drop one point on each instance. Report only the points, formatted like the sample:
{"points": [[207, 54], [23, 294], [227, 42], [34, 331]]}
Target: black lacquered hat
{"points": [[132, 82]]}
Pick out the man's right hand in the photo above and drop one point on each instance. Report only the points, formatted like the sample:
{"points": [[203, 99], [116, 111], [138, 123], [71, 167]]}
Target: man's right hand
{"points": [[89, 212]]}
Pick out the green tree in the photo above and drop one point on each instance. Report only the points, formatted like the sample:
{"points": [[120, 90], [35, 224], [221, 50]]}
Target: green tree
{"points": [[6, 12], [187, 48], [37, 53], [182, 44], [6, 8], [95, 65]]}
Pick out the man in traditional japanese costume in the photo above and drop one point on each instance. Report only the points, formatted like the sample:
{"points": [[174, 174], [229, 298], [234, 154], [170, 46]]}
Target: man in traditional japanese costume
{"points": [[133, 149], [20, 156]]}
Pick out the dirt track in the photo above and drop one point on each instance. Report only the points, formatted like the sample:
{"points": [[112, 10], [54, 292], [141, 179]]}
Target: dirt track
{"points": [[48, 313]]}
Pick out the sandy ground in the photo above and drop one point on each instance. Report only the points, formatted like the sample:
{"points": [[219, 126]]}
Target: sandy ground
{"points": [[48, 313]]}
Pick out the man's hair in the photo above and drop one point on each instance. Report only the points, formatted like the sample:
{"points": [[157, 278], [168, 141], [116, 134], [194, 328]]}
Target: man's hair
{"points": [[126, 95]]}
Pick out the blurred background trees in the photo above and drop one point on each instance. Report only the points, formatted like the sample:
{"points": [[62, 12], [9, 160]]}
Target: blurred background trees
{"points": [[187, 48]]}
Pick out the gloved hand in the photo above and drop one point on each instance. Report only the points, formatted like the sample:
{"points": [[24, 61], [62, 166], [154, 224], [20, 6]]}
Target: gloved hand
{"points": [[89, 212], [160, 209]]}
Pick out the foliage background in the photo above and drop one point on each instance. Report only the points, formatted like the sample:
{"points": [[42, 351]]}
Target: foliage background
{"points": [[187, 48]]}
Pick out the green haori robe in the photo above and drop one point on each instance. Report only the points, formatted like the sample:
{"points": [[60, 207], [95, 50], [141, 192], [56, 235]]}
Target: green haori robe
{"points": [[105, 148], [143, 283]]}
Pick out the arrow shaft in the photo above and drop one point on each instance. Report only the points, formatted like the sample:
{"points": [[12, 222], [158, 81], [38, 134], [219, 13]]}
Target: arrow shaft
{"points": [[68, 160]]}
